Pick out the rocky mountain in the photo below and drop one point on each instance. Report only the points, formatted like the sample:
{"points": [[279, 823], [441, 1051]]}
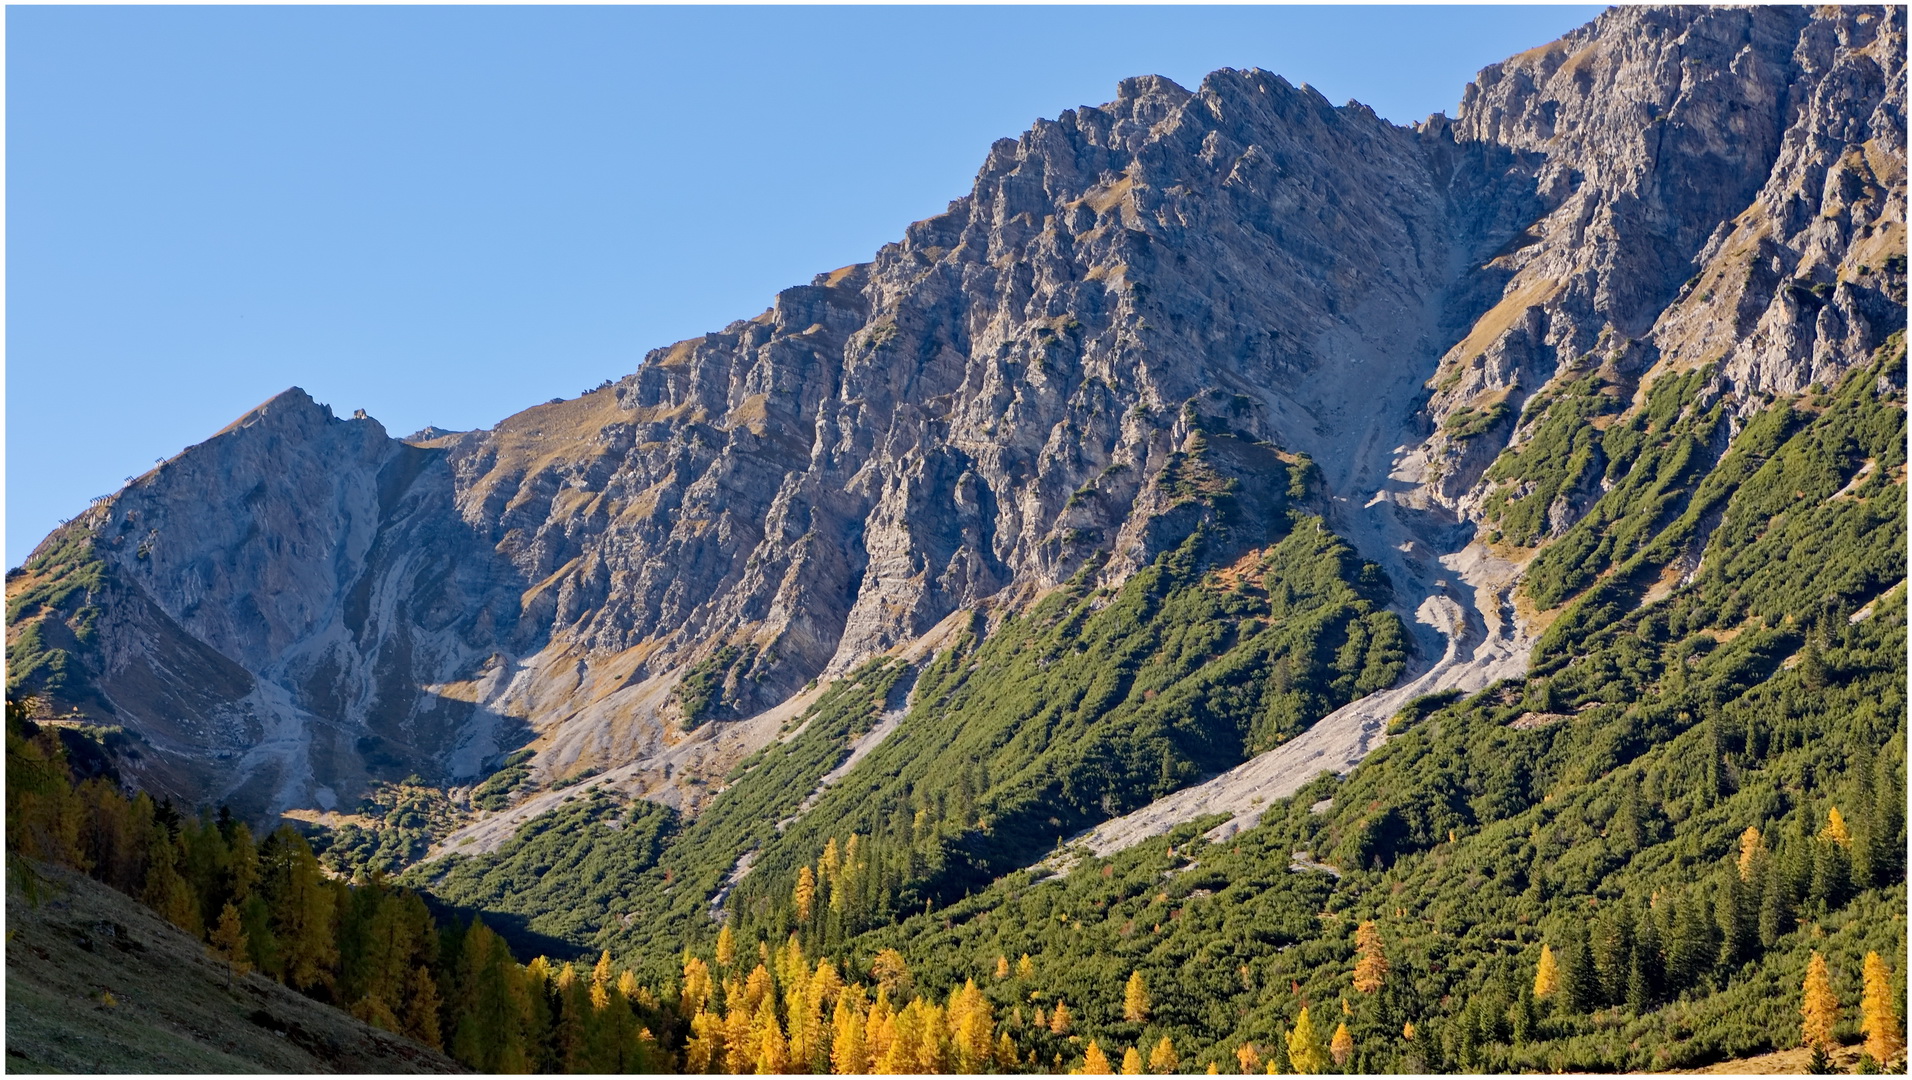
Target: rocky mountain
{"points": [[1138, 306]]}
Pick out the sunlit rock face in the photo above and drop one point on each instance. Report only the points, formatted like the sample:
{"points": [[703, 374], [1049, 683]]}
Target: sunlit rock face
{"points": [[303, 605]]}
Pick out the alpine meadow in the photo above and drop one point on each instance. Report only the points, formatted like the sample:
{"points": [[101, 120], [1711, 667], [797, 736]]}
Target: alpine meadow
{"points": [[1251, 587]]}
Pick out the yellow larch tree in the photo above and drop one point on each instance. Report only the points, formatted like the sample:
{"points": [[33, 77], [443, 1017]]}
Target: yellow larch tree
{"points": [[757, 987], [1059, 1019], [1131, 1062], [849, 1043], [1007, 1057], [1002, 967], [805, 894], [1341, 1047], [804, 1021], [1371, 963], [740, 1054], [726, 947], [1749, 849], [972, 1028], [229, 942], [1879, 1013], [1304, 1046], [704, 1050], [791, 966], [1025, 967], [773, 1053], [1164, 1059], [889, 970], [879, 1027], [1249, 1058], [1547, 975], [601, 981], [1836, 829], [1818, 1008], [828, 863], [1095, 1062], [1135, 999], [697, 985]]}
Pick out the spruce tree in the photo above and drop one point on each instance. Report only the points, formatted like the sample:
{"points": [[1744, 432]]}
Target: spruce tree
{"points": [[1580, 982]]}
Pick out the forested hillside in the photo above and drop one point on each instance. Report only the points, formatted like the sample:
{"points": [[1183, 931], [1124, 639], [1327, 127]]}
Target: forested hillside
{"points": [[1250, 588]]}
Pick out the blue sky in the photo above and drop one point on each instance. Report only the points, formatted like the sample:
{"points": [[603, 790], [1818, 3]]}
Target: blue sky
{"points": [[443, 215]]}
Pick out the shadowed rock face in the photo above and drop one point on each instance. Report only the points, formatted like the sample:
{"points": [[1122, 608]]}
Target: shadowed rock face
{"points": [[303, 604]]}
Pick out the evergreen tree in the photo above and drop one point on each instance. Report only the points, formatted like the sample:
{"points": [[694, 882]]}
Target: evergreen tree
{"points": [[1580, 984], [1613, 953], [1776, 918], [1831, 872]]}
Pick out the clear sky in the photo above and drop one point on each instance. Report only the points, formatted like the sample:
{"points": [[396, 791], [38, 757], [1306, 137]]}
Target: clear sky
{"points": [[442, 214]]}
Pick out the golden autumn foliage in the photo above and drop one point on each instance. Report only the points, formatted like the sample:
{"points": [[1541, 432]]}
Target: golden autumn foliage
{"points": [[805, 894], [1819, 1009], [1341, 1047], [1135, 999], [1249, 1058], [1546, 976], [1836, 829], [1304, 1046], [1131, 1062], [1060, 1022], [1749, 851], [1164, 1059], [1095, 1062], [1879, 1013], [1371, 963]]}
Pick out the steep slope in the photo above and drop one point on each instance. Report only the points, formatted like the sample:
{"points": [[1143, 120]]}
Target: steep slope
{"points": [[302, 606], [99, 983]]}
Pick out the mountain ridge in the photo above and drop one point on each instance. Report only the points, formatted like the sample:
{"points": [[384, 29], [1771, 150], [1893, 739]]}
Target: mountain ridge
{"points": [[991, 401]]}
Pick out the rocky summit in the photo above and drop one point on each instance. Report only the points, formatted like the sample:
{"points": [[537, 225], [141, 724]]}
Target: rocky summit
{"points": [[1139, 306]]}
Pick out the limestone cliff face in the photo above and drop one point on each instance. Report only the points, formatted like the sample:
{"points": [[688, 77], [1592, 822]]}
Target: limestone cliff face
{"points": [[1022, 384], [1728, 184]]}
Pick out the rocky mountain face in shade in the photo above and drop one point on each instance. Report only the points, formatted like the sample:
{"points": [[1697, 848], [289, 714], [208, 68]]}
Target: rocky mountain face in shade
{"points": [[1134, 301]]}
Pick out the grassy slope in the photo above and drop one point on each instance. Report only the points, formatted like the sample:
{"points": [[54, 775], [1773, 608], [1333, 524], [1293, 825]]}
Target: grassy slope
{"points": [[172, 1011]]}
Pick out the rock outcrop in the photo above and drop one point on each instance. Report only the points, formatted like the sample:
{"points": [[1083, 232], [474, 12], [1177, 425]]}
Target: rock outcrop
{"points": [[302, 604]]}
